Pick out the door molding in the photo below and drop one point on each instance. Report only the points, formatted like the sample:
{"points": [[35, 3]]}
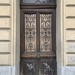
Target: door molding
{"points": [[59, 35]]}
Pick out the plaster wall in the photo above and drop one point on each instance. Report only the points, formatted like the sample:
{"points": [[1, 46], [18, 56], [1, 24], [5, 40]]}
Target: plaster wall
{"points": [[65, 37], [9, 37]]}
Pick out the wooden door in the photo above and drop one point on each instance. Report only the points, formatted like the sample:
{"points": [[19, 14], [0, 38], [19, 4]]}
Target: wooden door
{"points": [[38, 41]]}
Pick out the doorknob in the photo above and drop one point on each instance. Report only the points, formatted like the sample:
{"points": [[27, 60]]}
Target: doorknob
{"points": [[38, 56]]}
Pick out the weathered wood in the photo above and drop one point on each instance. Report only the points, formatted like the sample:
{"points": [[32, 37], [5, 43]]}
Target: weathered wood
{"points": [[41, 57]]}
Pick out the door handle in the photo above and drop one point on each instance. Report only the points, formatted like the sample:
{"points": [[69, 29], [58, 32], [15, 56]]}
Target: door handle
{"points": [[38, 56]]}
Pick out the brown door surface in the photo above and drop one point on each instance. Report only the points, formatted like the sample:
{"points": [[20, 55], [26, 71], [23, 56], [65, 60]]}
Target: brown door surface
{"points": [[38, 41]]}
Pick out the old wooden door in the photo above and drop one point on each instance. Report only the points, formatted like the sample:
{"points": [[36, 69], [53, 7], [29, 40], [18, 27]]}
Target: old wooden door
{"points": [[38, 39]]}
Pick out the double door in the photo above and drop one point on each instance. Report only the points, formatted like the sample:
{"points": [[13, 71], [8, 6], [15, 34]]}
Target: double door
{"points": [[38, 44]]}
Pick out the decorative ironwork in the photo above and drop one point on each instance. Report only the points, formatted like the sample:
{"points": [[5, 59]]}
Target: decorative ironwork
{"points": [[45, 32], [30, 32]]}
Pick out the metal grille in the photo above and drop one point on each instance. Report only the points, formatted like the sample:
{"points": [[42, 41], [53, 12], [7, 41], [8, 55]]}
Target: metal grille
{"points": [[45, 32], [30, 32]]}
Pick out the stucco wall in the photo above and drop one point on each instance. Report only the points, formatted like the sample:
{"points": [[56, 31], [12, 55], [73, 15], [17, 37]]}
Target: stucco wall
{"points": [[69, 33], [65, 37], [68, 37], [9, 37], [5, 32]]}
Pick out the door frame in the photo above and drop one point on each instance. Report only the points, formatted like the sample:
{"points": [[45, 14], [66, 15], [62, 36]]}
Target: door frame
{"points": [[48, 10], [59, 35]]}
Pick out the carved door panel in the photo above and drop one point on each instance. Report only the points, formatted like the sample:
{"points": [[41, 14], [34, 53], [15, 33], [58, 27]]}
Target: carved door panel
{"points": [[38, 44]]}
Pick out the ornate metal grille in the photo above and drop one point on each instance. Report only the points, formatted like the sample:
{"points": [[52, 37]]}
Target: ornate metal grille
{"points": [[45, 32], [30, 32]]}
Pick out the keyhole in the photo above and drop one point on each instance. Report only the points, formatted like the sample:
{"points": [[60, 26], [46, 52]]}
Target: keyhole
{"points": [[30, 33], [45, 32]]}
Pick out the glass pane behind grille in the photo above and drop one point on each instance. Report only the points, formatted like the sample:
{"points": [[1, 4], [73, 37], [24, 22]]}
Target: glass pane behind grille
{"points": [[39, 1], [47, 1], [30, 32], [45, 32], [29, 1]]}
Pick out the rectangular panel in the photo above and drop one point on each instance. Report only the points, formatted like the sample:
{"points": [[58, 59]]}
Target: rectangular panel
{"points": [[48, 66], [35, 66], [5, 1], [70, 59], [70, 2], [4, 34], [5, 70], [5, 59], [45, 32], [5, 23], [70, 22], [70, 11], [69, 70], [4, 10], [5, 47], [70, 35], [29, 67], [30, 32], [70, 47]]}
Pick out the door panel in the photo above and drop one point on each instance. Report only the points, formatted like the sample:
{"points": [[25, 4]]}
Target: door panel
{"points": [[44, 66], [30, 32], [45, 33], [38, 48], [29, 67], [48, 66]]}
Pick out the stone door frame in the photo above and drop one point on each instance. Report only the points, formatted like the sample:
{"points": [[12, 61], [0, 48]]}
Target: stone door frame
{"points": [[59, 36]]}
